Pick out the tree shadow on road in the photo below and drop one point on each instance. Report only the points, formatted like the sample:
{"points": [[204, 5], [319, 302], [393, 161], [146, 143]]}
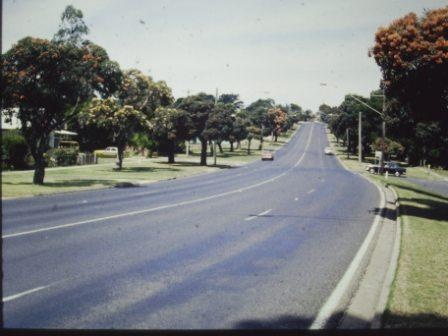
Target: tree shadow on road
{"points": [[66, 183], [194, 164], [146, 169], [390, 321]]}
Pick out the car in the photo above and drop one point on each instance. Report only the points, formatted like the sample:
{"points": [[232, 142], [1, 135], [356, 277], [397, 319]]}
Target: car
{"points": [[390, 167], [328, 151], [109, 152], [267, 156]]}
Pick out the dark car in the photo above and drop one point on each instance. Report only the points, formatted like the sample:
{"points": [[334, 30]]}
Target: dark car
{"points": [[391, 167]]}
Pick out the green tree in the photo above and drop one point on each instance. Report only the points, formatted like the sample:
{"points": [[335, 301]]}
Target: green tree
{"points": [[198, 108], [122, 121], [48, 82], [219, 125], [239, 131], [169, 126], [253, 132], [72, 27], [258, 115]]}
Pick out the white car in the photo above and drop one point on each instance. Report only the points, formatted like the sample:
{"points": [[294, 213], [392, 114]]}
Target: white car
{"points": [[328, 151], [266, 155]]}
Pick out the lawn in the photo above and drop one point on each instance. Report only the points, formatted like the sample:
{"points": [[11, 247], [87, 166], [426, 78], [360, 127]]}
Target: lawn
{"points": [[135, 170], [419, 295]]}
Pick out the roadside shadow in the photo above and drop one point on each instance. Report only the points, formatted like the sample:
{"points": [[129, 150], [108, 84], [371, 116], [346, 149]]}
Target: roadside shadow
{"points": [[387, 214], [67, 183], [144, 169], [390, 321], [419, 191], [195, 164], [434, 210], [281, 322]]}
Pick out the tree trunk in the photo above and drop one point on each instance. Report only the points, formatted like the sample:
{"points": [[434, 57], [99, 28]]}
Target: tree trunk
{"points": [[220, 147], [210, 143], [231, 146], [171, 148], [120, 157], [38, 148], [203, 152], [260, 146], [248, 146], [39, 170], [238, 144], [275, 137]]}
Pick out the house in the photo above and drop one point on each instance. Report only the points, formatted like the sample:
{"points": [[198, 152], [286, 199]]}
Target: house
{"points": [[57, 137]]}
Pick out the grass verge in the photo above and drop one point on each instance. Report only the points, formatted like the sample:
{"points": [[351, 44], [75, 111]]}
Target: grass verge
{"points": [[419, 295], [67, 179]]}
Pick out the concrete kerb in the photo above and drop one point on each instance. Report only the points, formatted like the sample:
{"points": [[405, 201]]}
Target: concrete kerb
{"points": [[356, 283], [390, 275]]}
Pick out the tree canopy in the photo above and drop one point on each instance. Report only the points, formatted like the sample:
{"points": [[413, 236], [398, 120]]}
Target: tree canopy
{"points": [[45, 83], [412, 54]]}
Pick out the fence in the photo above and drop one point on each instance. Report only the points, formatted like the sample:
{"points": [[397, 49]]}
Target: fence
{"points": [[85, 159]]}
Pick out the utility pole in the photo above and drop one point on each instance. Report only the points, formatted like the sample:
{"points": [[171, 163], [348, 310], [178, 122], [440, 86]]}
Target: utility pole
{"points": [[360, 137], [382, 115], [214, 141], [187, 142], [383, 135], [348, 143]]}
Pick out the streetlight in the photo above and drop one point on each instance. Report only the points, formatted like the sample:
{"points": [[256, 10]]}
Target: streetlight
{"points": [[382, 115]]}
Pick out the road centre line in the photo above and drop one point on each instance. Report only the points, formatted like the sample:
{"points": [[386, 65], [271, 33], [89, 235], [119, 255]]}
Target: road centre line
{"points": [[259, 215], [162, 207], [16, 296], [311, 191]]}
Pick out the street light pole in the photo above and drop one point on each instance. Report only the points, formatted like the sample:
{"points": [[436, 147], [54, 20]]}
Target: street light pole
{"points": [[383, 135], [360, 137], [214, 141], [382, 114], [348, 146]]}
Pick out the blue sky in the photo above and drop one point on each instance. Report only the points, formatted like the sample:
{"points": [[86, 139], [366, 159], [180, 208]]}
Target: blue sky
{"points": [[282, 49]]}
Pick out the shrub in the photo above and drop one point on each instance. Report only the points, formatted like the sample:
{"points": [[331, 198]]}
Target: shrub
{"points": [[14, 150], [62, 157]]}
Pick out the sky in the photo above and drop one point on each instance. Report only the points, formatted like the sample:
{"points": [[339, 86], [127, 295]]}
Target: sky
{"points": [[306, 52]]}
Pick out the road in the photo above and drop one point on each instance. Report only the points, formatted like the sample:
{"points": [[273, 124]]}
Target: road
{"points": [[439, 187], [260, 246]]}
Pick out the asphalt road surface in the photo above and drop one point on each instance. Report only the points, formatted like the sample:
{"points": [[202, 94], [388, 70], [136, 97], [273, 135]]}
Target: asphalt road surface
{"points": [[439, 187], [260, 246]]}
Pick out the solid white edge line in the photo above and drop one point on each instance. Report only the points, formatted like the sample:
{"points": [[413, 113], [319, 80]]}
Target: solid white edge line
{"points": [[168, 205], [331, 304], [16, 296]]}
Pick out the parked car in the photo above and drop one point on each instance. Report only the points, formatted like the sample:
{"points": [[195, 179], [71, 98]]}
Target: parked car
{"points": [[109, 152], [328, 151], [267, 156], [391, 167]]}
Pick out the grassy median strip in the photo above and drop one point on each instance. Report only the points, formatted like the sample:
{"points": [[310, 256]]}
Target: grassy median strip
{"points": [[135, 170], [419, 295]]}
